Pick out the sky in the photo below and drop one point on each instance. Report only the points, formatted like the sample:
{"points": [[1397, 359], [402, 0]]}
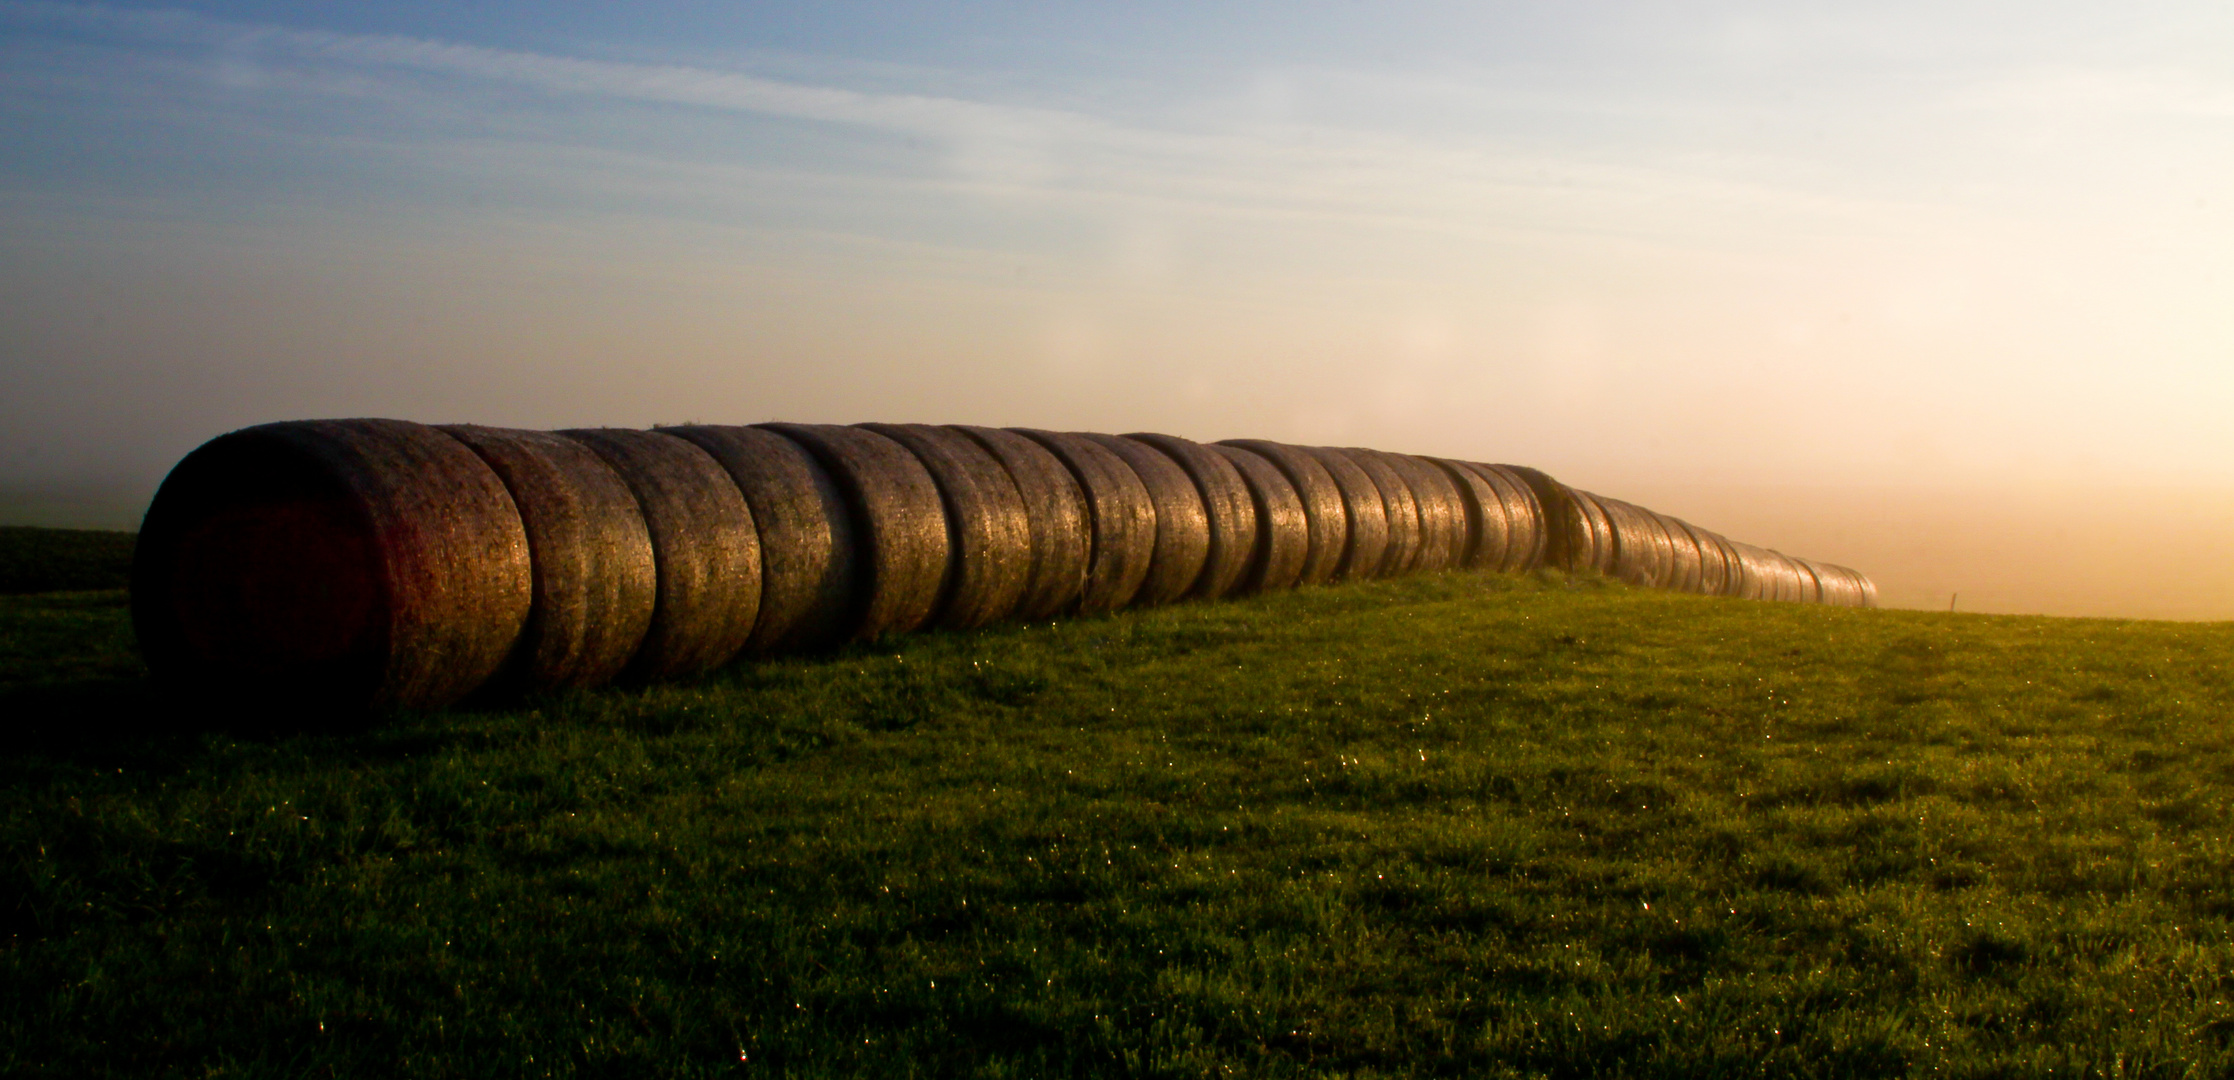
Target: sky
{"points": [[1835, 278]]}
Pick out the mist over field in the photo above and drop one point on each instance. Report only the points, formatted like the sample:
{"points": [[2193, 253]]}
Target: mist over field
{"points": [[1937, 292]]}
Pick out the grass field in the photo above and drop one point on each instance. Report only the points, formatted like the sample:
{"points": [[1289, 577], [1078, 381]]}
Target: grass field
{"points": [[1460, 825], [33, 559]]}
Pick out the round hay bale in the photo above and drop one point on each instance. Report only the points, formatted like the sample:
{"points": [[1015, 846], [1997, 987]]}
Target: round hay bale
{"points": [[1595, 535], [1784, 575], [1811, 587], [1283, 529], [898, 520], [1055, 510], [1635, 556], [1860, 593], [1226, 504], [1326, 521], [1443, 521], [1688, 567], [1483, 546], [590, 554], [988, 532], [703, 542], [1714, 561], [1733, 572], [1400, 507], [1753, 572], [1120, 516], [810, 569], [346, 563], [1365, 548], [1182, 551], [1526, 535], [1570, 539]]}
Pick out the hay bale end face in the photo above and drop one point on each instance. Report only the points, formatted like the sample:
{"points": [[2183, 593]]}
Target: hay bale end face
{"points": [[1182, 549], [1055, 512], [1283, 530], [352, 563], [1326, 521], [810, 566], [704, 544], [989, 535], [897, 514], [1444, 524], [1526, 535], [1120, 515], [1365, 548], [595, 580], [1399, 507], [1231, 514], [1482, 542]]}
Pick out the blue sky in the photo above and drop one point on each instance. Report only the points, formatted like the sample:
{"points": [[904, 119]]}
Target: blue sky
{"points": [[1637, 244]]}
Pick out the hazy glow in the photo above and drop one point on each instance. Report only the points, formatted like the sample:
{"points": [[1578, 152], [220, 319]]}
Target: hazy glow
{"points": [[1786, 250]]}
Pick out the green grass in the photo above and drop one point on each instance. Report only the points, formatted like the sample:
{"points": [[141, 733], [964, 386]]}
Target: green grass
{"points": [[34, 559], [1460, 825]]}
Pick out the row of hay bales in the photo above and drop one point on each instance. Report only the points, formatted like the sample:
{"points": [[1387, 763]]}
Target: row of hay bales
{"points": [[382, 562]]}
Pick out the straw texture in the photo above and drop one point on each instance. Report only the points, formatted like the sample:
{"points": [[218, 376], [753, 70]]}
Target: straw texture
{"points": [[704, 543], [1482, 542], [1443, 526], [1283, 529], [1226, 505], [989, 536], [1363, 511], [1401, 508], [595, 582], [1326, 520], [810, 568], [1182, 547], [1120, 518], [899, 518], [1056, 515], [354, 563]]}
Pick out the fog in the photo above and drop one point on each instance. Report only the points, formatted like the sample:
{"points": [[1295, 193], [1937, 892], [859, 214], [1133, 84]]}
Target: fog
{"points": [[1919, 294]]}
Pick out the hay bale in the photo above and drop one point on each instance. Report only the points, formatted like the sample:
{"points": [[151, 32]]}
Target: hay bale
{"points": [[1326, 521], [1811, 587], [1182, 552], [1055, 510], [1526, 536], [1443, 521], [705, 546], [988, 532], [1398, 507], [898, 520], [1593, 539], [810, 567], [1714, 565], [1226, 505], [1568, 543], [1121, 519], [1283, 529], [594, 579], [1865, 590], [348, 563], [1482, 546], [1634, 554], [1365, 548]]}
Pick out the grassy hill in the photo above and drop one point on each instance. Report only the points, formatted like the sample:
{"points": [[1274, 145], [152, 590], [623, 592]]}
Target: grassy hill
{"points": [[34, 559], [1460, 825]]}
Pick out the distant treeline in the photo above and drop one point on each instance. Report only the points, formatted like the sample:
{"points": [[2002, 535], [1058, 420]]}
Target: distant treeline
{"points": [[34, 559], [384, 562]]}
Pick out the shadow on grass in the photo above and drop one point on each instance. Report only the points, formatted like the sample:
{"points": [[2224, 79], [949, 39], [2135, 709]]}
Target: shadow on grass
{"points": [[138, 721]]}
